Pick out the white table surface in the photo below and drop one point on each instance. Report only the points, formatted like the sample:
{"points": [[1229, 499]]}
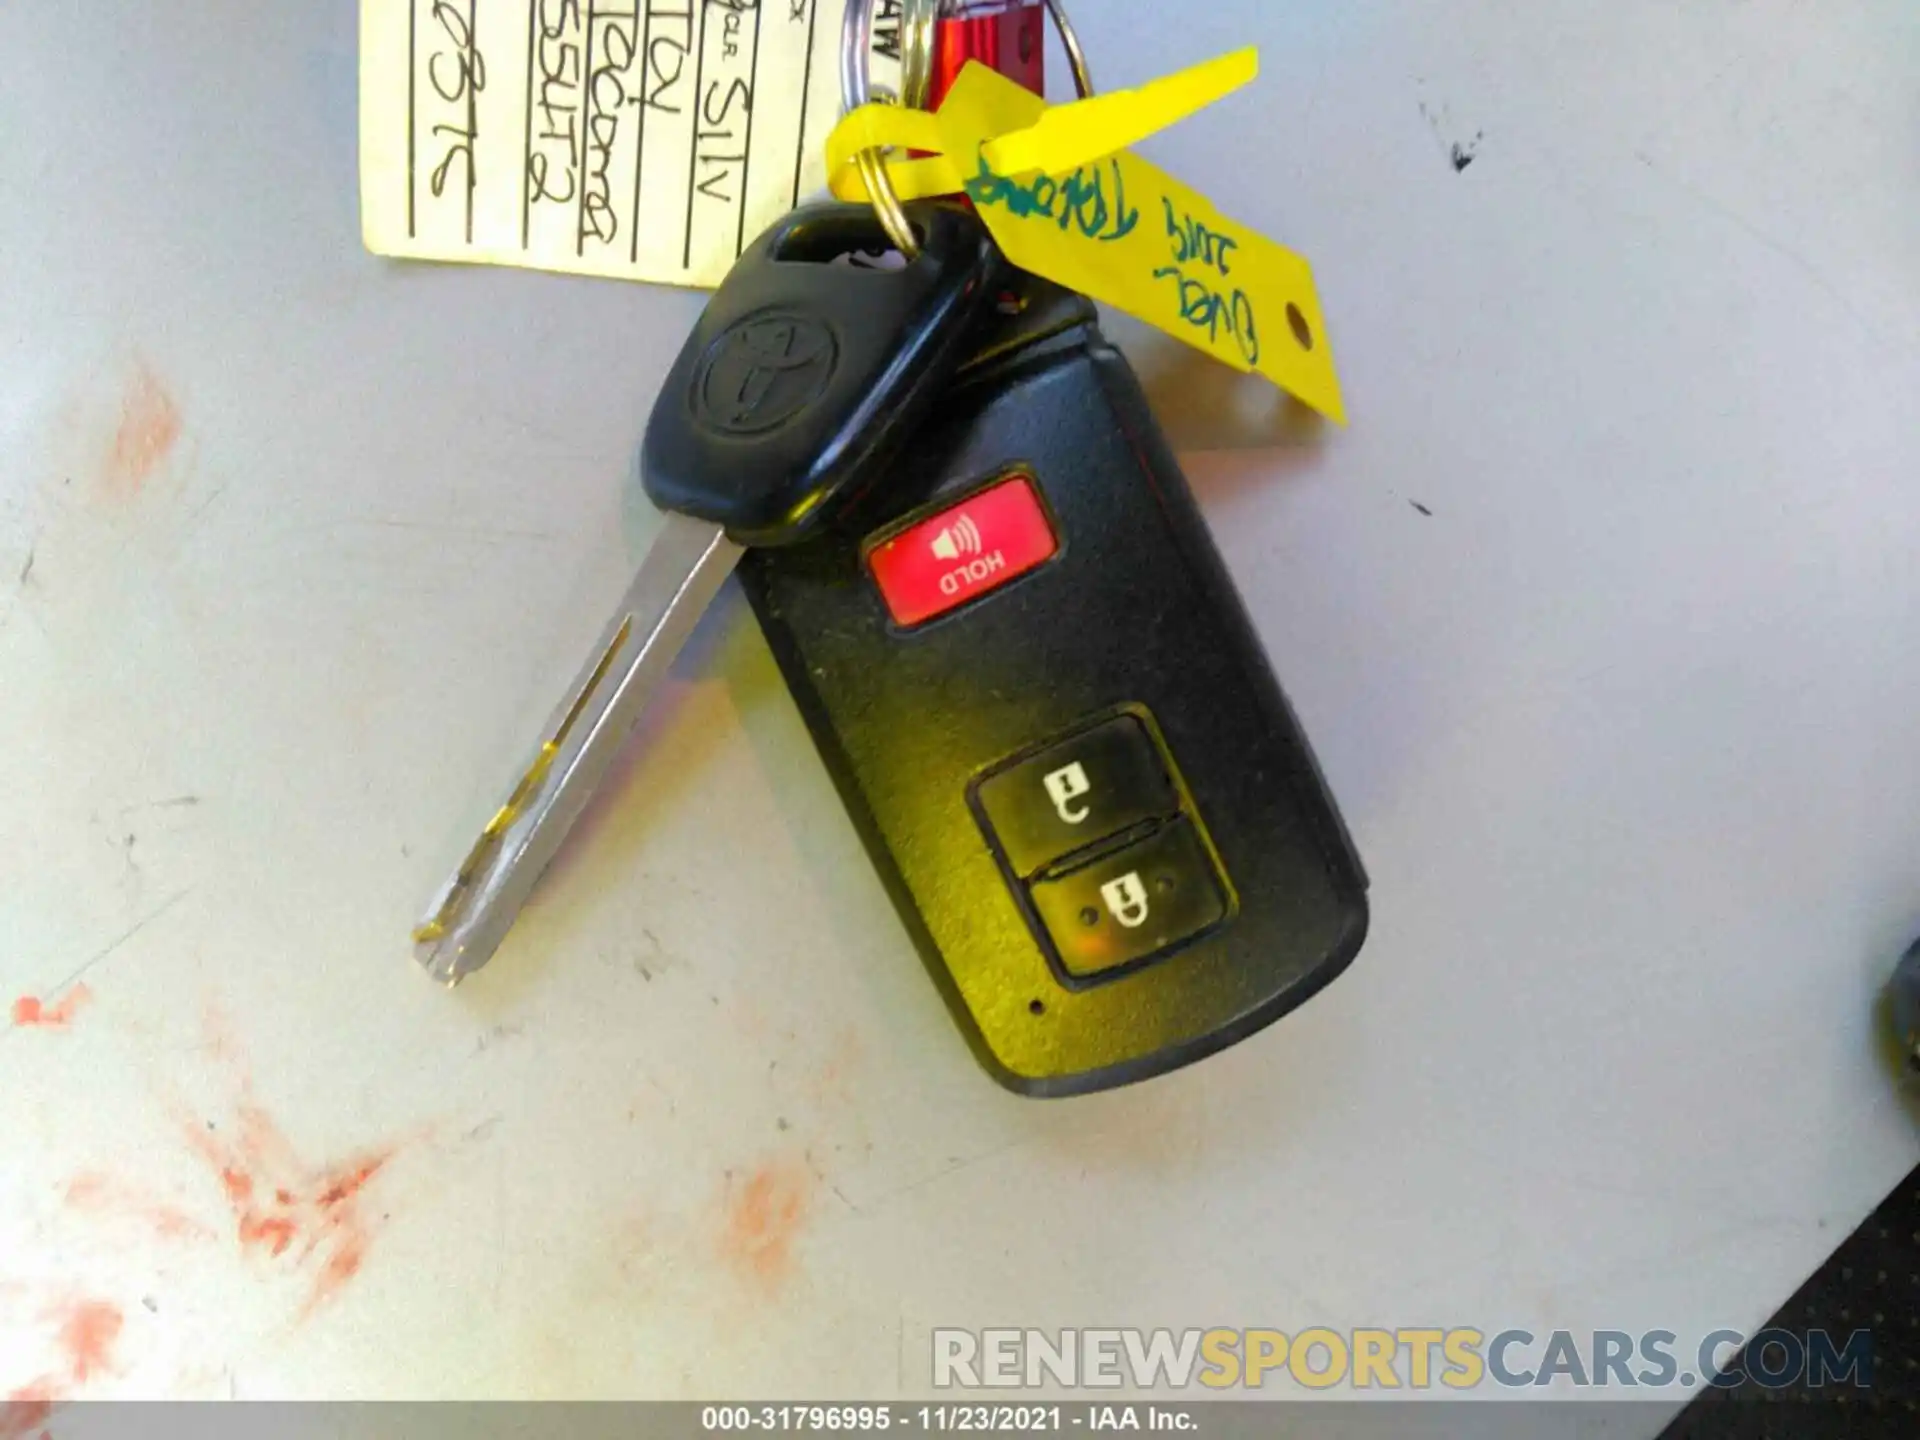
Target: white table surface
{"points": [[297, 546]]}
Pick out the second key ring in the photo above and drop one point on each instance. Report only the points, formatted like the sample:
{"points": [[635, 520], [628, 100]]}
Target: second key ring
{"points": [[917, 21]]}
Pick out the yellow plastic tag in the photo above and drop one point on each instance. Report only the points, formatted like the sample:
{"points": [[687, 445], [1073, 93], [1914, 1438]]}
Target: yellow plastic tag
{"points": [[1118, 229], [1063, 138], [1066, 137]]}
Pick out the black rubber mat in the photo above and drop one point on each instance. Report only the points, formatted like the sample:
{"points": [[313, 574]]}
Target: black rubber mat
{"points": [[1871, 1283]]}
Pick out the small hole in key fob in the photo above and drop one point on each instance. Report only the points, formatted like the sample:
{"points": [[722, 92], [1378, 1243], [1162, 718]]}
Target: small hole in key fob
{"points": [[1043, 703]]}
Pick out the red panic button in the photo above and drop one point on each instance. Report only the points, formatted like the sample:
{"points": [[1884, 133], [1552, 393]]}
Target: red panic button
{"points": [[967, 550]]}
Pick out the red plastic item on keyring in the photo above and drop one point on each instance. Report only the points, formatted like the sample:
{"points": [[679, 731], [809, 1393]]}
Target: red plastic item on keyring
{"points": [[1008, 35]]}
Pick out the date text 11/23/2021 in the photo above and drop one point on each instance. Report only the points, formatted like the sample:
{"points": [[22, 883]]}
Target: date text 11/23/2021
{"points": [[942, 1419]]}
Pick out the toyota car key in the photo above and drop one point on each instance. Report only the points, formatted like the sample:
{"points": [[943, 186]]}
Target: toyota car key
{"points": [[1045, 707], [800, 380]]}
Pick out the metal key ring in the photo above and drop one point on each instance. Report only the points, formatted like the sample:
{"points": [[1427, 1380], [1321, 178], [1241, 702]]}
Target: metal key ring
{"points": [[917, 20], [1070, 41]]}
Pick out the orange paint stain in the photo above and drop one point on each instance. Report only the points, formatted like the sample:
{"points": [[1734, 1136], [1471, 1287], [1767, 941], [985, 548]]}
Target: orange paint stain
{"points": [[99, 1194], [27, 1409], [89, 1189], [149, 427], [273, 1232], [305, 1220], [89, 1329], [283, 1207], [88, 1334], [341, 1267], [30, 1012], [350, 1185], [763, 1218]]}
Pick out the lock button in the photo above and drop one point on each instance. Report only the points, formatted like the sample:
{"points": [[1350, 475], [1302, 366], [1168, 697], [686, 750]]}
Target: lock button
{"points": [[1079, 791], [1132, 903]]}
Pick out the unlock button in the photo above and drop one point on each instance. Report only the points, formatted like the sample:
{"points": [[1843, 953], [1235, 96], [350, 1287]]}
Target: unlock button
{"points": [[1128, 905], [1071, 794]]}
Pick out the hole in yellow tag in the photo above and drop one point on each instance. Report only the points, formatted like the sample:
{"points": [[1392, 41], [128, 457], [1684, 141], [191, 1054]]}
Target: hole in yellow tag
{"points": [[1297, 323]]}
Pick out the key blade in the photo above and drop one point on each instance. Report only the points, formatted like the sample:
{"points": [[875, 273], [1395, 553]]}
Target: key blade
{"points": [[473, 911]]}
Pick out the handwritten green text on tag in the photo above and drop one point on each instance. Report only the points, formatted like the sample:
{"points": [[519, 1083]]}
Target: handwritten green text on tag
{"points": [[1120, 230]]}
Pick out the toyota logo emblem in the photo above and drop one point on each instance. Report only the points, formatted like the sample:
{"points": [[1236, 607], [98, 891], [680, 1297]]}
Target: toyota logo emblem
{"points": [[763, 371]]}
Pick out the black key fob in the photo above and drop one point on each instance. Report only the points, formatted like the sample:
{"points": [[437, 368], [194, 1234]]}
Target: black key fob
{"points": [[1046, 709]]}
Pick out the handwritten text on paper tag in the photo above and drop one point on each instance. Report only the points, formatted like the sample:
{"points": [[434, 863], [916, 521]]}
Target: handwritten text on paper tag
{"points": [[643, 139]]}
